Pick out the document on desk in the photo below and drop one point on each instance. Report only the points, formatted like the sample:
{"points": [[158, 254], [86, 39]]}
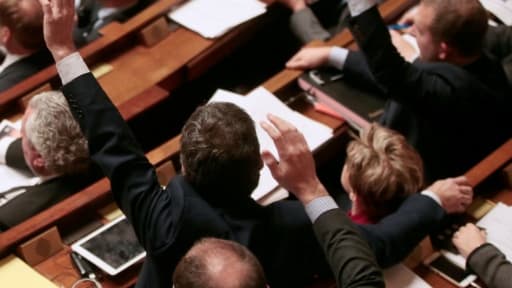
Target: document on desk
{"points": [[401, 276], [16, 273], [502, 9], [498, 225], [212, 18], [258, 104]]}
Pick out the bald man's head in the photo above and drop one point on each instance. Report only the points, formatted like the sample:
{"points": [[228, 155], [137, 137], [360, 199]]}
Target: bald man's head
{"points": [[215, 263]]}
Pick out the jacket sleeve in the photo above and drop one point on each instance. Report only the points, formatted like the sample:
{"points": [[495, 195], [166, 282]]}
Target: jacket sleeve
{"points": [[491, 266], [396, 235], [351, 261], [306, 26], [114, 149], [404, 82]]}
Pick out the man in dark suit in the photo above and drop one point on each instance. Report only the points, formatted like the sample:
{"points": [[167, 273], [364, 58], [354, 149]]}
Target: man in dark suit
{"points": [[218, 146], [51, 151], [452, 105], [94, 14], [21, 35]]}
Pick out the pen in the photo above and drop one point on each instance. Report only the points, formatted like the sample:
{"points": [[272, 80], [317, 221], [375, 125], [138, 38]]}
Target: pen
{"points": [[399, 26], [83, 267]]}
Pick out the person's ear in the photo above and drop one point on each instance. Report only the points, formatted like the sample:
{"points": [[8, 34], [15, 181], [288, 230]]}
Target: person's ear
{"points": [[5, 34], [444, 51], [38, 163]]}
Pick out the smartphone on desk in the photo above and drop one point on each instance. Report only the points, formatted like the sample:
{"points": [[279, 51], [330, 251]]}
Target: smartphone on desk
{"points": [[452, 272]]}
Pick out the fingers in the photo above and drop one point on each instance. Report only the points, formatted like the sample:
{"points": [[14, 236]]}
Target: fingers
{"points": [[461, 180], [296, 62], [270, 161], [282, 125]]}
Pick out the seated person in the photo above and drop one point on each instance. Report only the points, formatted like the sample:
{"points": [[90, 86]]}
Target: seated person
{"points": [[482, 258], [432, 102], [381, 170], [218, 263], [497, 42], [221, 163], [21, 37], [52, 150], [94, 14]]}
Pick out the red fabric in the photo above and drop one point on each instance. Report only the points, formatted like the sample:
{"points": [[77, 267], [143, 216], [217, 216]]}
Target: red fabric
{"points": [[359, 218]]}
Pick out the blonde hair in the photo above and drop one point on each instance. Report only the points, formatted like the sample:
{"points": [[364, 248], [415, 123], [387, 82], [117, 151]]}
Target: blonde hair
{"points": [[383, 170]]}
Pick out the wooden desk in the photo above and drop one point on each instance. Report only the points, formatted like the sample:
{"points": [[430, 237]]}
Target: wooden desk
{"points": [[88, 201], [139, 70], [476, 176]]}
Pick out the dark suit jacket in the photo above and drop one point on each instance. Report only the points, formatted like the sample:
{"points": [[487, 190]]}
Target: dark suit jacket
{"points": [[38, 197], [396, 235], [168, 221], [454, 116], [498, 42], [88, 15], [491, 265], [351, 261], [24, 68]]}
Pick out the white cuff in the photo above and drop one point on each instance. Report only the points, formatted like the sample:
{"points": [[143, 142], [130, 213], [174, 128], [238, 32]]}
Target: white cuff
{"points": [[337, 57], [319, 206], [71, 67], [4, 145], [432, 195], [357, 7]]}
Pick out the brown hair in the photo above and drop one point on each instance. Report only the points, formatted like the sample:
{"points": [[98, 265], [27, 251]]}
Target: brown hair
{"points": [[460, 23], [215, 263], [383, 170], [24, 18], [220, 153]]}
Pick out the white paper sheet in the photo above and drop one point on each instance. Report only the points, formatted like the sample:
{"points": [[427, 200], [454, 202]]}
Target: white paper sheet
{"points": [[401, 276], [258, 104], [212, 18], [498, 225]]}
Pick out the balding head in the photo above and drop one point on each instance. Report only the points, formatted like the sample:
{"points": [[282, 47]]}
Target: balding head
{"points": [[215, 263], [23, 20]]}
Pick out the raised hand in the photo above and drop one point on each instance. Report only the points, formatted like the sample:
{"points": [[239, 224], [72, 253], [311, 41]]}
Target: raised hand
{"points": [[295, 170], [59, 17]]}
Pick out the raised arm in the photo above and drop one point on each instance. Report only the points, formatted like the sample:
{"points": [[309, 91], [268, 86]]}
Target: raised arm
{"points": [[111, 143], [351, 260]]}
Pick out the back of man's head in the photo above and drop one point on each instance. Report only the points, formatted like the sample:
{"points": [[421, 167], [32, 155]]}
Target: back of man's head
{"points": [[50, 129], [462, 24], [216, 263], [220, 152], [383, 169], [24, 20]]}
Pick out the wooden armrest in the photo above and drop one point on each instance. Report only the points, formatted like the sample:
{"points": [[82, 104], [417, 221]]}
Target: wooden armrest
{"points": [[492, 163]]}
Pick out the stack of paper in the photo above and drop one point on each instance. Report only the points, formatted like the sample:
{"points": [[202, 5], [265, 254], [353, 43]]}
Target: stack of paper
{"points": [[212, 18], [502, 9], [498, 225], [258, 104], [16, 273]]}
